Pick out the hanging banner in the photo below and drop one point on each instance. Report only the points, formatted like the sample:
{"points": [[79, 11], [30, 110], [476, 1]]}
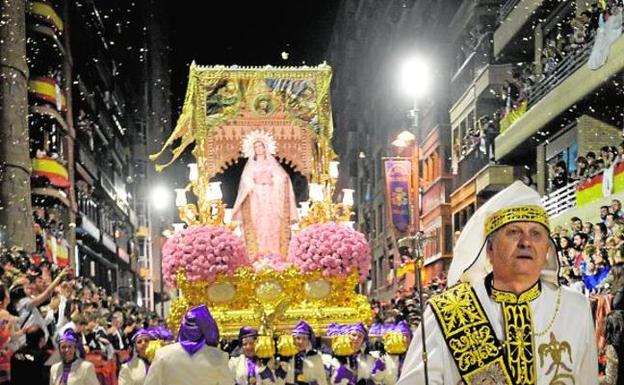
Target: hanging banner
{"points": [[398, 183]]}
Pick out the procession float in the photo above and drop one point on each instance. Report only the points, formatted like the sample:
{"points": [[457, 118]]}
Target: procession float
{"points": [[267, 261]]}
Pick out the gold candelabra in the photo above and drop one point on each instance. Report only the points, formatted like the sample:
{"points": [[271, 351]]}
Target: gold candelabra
{"points": [[321, 208], [209, 210]]}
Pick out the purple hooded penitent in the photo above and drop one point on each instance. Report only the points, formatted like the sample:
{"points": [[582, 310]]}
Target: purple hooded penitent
{"points": [[246, 332], [198, 329], [403, 327], [142, 332], [303, 329]]}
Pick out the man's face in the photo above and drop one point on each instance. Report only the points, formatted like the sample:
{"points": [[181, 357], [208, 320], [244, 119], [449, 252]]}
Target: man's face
{"points": [[68, 351], [615, 206], [587, 228], [578, 241], [603, 212], [249, 347], [577, 225], [518, 252], [302, 342]]}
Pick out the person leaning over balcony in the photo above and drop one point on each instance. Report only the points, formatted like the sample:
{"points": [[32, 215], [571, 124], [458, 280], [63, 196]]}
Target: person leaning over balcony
{"points": [[591, 163], [560, 178], [582, 169], [505, 299]]}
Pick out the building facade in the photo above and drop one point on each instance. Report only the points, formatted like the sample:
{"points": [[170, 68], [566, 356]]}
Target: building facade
{"points": [[368, 45], [91, 97], [526, 89]]}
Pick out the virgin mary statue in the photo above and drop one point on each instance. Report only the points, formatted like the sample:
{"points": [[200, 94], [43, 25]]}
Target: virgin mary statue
{"points": [[265, 203]]}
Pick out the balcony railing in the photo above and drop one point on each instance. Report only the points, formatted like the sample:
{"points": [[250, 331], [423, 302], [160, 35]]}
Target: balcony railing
{"points": [[565, 68], [472, 66], [469, 166], [560, 200], [506, 9]]}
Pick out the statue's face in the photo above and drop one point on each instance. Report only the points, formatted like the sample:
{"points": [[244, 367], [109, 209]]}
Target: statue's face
{"points": [[259, 149]]}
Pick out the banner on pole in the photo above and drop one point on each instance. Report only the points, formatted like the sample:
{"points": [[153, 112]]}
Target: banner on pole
{"points": [[398, 182]]}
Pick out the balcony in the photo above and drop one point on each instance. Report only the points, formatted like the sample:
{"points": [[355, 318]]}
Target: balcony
{"points": [[87, 163], [565, 68], [45, 14], [494, 178], [472, 67], [48, 91], [574, 86], [515, 16], [584, 198], [436, 194], [560, 200], [468, 167], [486, 84]]}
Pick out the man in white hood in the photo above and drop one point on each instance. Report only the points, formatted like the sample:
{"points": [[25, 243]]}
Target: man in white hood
{"points": [[504, 318]]}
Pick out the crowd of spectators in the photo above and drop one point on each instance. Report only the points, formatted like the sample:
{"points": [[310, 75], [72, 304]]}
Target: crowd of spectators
{"points": [[585, 167], [569, 37], [41, 301], [588, 252]]}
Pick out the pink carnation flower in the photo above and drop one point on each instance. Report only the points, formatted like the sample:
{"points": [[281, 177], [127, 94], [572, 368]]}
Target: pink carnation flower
{"points": [[202, 252], [334, 249]]}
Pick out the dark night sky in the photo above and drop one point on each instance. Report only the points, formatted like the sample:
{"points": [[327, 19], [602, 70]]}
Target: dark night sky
{"points": [[247, 33]]}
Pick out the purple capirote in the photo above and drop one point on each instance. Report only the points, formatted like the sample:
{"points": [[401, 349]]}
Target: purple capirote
{"points": [[198, 329], [303, 329]]}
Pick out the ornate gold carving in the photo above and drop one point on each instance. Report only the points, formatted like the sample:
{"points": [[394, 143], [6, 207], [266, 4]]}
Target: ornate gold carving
{"points": [[527, 213], [556, 350], [341, 305], [222, 104]]}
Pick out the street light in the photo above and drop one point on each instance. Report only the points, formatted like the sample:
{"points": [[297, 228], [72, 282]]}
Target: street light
{"points": [[161, 197], [415, 77], [416, 80]]}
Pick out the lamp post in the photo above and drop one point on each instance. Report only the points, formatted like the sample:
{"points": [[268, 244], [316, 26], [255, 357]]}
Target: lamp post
{"points": [[415, 81]]}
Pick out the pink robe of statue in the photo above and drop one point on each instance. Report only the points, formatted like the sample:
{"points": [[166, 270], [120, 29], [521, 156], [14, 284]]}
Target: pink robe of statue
{"points": [[266, 206]]}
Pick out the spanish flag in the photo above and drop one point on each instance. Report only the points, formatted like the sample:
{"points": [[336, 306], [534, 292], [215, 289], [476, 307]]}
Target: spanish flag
{"points": [[44, 12], [57, 251], [52, 170], [46, 89]]}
